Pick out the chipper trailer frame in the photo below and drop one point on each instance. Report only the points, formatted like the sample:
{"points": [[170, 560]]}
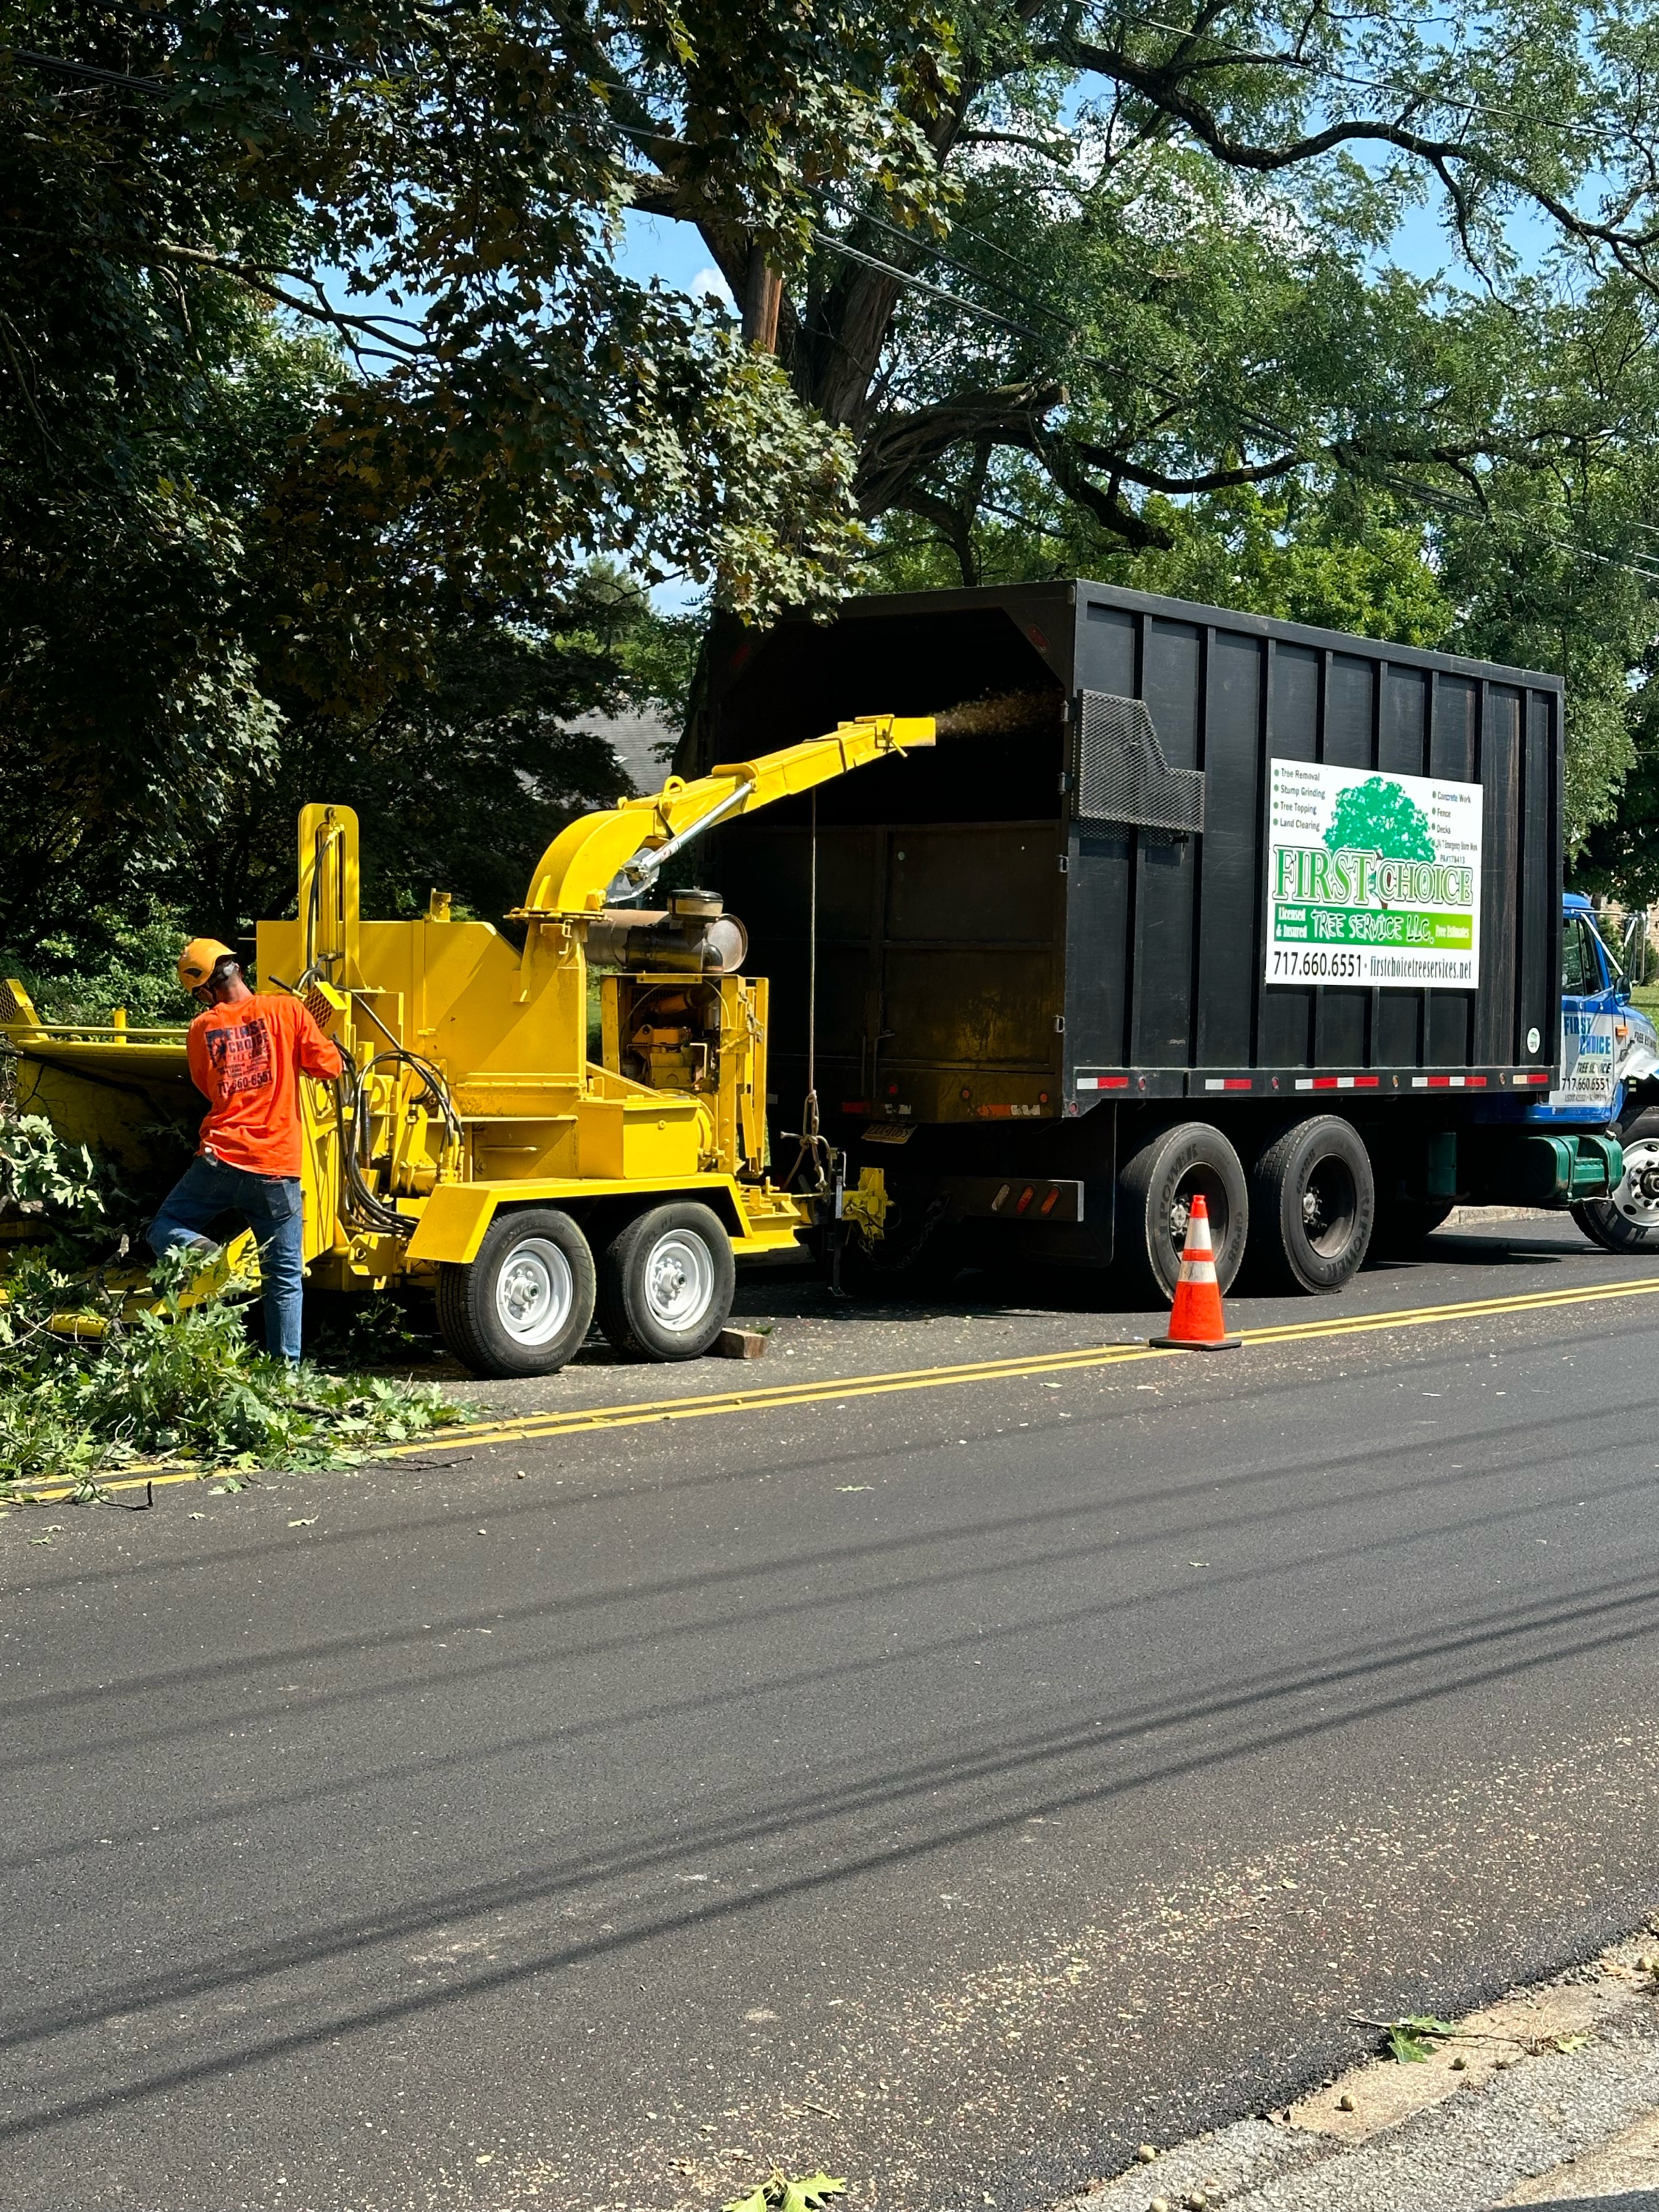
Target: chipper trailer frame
{"points": [[474, 1142]]}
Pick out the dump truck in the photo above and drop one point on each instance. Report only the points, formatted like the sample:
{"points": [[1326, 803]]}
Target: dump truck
{"points": [[540, 1130], [1184, 901]]}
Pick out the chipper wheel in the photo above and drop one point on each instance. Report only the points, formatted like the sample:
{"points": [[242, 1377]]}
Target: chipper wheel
{"points": [[667, 1280], [524, 1305]]}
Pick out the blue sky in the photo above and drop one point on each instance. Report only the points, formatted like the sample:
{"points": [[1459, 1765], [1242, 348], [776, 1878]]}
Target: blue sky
{"points": [[657, 246]]}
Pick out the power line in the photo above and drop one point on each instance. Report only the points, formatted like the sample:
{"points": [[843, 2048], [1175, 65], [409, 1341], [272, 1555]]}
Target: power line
{"points": [[82, 72], [1425, 496]]}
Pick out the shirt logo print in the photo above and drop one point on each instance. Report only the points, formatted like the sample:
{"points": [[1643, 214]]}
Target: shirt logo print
{"points": [[241, 1057]]}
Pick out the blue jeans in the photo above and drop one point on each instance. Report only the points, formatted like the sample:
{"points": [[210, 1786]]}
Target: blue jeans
{"points": [[273, 1208]]}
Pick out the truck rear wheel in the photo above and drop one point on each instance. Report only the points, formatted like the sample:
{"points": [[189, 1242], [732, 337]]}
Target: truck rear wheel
{"points": [[1629, 1220], [526, 1303], [1313, 1203], [1156, 1189], [667, 1282]]}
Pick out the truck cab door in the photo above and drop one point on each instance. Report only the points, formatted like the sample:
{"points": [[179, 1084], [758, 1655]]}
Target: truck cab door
{"points": [[1591, 1001]]}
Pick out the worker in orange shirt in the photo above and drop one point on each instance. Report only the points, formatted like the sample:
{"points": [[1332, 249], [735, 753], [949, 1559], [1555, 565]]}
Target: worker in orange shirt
{"points": [[247, 1052]]}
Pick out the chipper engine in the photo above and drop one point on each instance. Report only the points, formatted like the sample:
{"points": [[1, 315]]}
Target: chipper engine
{"points": [[544, 1132]]}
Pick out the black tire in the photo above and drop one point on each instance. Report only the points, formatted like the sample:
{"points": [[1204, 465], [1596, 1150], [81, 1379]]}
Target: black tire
{"points": [[1155, 1190], [1313, 1205], [1400, 1227], [526, 1303], [667, 1282], [1629, 1220]]}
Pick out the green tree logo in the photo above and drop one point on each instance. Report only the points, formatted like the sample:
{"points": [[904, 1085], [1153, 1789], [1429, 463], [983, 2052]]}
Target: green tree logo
{"points": [[1377, 817]]}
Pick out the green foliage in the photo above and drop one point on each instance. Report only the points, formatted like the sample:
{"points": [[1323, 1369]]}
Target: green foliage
{"points": [[460, 782], [1320, 554], [779, 2194], [1620, 856], [106, 960], [376, 1330], [246, 528], [1063, 291], [1412, 2040], [1377, 817], [179, 1380], [38, 1172], [1335, 559]]}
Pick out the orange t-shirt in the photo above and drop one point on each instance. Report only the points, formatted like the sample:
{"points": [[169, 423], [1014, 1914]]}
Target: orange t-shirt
{"points": [[246, 1061]]}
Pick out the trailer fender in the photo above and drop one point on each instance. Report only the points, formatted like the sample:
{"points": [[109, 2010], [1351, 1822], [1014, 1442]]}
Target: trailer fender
{"points": [[453, 1222]]}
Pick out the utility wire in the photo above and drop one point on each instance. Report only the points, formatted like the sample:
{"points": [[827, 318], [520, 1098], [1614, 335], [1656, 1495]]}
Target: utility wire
{"points": [[82, 72], [1422, 494]]}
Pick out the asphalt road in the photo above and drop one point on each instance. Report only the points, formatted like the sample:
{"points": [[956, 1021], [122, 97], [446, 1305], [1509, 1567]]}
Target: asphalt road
{"points": [[950, 1784]]}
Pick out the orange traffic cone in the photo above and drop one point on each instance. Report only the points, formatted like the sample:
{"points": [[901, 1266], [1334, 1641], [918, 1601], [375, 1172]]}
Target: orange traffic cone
{"points": [[1196, 1323]]}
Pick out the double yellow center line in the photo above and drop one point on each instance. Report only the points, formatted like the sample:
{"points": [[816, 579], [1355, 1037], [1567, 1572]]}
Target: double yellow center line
{"points": [[533, 1428], [579, 1421]]}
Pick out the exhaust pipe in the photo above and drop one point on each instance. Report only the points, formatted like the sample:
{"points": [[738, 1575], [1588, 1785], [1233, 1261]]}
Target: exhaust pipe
{"points": [[695, 937]]}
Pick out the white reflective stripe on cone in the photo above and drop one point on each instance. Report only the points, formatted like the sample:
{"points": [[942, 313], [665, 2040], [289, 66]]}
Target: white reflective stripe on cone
{"points": [[1199, 1270]]}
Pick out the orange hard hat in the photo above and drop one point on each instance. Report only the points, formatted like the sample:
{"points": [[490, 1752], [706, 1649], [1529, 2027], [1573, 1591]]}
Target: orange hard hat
{"points": [[198, 960]]}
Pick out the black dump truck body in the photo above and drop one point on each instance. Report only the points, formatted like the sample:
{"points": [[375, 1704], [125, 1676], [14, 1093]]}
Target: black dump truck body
{"points": [[1185, 865]]}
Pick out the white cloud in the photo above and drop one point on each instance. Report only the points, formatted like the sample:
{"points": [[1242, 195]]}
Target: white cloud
{"points": [[709, 280]]}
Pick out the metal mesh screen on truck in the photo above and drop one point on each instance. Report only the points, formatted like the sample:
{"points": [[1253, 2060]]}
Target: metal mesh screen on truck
{"points": [[1121, 774]]}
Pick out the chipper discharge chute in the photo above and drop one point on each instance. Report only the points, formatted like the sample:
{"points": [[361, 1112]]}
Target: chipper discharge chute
{"points": [[477, 1142]]}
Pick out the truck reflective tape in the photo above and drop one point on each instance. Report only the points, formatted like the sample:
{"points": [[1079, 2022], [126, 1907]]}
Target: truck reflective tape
{"points": [[1229, 1083], [1103, 1083], [1337, 1082]]}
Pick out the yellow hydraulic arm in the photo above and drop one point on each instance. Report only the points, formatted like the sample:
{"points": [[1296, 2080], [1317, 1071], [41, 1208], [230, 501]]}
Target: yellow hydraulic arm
{"points": [[606, 858]]}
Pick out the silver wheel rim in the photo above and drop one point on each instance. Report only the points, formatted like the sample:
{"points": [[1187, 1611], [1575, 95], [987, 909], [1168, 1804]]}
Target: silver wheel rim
{"points": [[679, 1281], [535, 1291], [1640, 1162]]}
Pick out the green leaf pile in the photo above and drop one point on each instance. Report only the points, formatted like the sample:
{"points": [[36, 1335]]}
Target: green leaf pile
{"points": [[179, 1382]]}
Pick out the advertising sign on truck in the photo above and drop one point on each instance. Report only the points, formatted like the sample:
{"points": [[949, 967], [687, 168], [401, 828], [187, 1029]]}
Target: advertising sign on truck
{"points": [[1372, 880], [1589, 1060]]}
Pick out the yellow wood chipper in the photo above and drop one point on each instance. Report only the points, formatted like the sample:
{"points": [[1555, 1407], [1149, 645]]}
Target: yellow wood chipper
{"points": [[475, 1142]]}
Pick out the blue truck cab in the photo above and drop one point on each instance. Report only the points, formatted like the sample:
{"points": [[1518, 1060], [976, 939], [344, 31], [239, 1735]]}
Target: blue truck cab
{"points": [[1609, 1059]]}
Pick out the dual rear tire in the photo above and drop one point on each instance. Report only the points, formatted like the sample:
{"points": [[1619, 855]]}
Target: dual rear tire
{"points": [[661, 1287], [1313, 1208], [1302, 1218]]}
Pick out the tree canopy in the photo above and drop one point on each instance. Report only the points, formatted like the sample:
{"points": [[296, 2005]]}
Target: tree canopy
{"points": [[323, 383], [1145, 323]]}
